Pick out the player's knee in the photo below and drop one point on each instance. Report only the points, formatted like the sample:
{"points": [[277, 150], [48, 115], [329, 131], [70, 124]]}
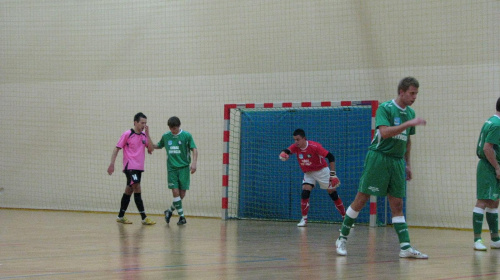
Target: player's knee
{"points": [[334, 195], [305, 194], [396, 204]]}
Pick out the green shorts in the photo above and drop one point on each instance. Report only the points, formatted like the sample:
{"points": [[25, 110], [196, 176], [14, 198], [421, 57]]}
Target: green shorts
{"points": [[179, 178], [383, 175], [487, 184]]}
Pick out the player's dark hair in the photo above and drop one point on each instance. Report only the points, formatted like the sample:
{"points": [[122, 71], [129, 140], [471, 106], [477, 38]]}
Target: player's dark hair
{"points": [[406, 83], [174, 122], [498, 104], [138, 117], [299, 131]]}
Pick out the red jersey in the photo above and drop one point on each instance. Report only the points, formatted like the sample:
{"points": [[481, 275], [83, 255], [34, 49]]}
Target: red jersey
{"points": [[312, 157]]}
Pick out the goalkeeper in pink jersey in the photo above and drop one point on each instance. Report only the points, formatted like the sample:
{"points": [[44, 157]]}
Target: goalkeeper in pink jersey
{"points": [[311, 157]]}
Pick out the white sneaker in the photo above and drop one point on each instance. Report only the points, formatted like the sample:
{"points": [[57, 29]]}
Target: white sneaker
{"points": [[479, 246], [495, 244], [341, 246], [302, 223], [412, 253]]}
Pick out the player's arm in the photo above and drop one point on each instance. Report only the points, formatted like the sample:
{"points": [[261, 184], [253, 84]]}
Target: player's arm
{"points": [[489, 152], [150, 143], [331, 160], [111, 167], [194, 160], [390, 131], [285, 154], [409, 175], [334, 180], [157, 146]]}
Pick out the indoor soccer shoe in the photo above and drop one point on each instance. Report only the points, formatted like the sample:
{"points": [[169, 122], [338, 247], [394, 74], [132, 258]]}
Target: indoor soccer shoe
{"points": [[182, 221], [341, 246], [412, 253], [479, 246], [495, 244], [123, 220], [302, 223], [168, 215], [148, 222]]}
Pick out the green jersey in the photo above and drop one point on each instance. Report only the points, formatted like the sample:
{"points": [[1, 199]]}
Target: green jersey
{"points": [[490, 133], [390, 114], [178, 149]]}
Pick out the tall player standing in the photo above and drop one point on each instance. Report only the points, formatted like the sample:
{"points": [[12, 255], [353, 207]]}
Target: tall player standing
{"points": [[133, 142], [488, 181], [387, 166], [311, 157]]}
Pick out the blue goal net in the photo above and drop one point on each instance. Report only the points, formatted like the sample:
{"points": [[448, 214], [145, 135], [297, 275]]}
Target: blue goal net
{"points": [[268, 188]]}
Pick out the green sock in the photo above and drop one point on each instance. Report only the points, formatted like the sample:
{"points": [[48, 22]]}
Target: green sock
{"points": [[492, 219], [403, 234], [346, 226], [477, 225], [178, 206], [172, 208]]}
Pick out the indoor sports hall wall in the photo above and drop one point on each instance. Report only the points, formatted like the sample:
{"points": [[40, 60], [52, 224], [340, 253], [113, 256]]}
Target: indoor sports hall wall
{"points": [[74, 73]]}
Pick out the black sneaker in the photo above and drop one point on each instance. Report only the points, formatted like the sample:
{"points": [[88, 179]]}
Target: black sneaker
{"points": [[182, 221], [168, 215]]}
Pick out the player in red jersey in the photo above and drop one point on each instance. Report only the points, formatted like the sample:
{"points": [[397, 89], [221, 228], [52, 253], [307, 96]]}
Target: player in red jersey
{"points": [[311, 157]]}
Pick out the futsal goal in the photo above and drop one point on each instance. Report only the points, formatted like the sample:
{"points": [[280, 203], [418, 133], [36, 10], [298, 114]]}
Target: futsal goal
{"points": [[257, 185]]}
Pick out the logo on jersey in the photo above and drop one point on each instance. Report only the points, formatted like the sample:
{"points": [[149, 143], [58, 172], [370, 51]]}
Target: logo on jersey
{"points": [[170, 142], [174, 150], [397, 121], [180, 143], [301, 156], [373, 189], [401, 136], [309, 156]]}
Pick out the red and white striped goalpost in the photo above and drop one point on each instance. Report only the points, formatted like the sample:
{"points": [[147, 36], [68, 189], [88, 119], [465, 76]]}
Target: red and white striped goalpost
{"points": [[225, 151]]}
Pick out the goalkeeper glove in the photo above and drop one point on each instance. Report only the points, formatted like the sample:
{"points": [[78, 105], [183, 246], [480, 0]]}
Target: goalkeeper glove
{"points": [[284, 156], [334, 180]]}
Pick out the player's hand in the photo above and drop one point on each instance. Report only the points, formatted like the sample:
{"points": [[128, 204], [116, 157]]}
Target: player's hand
{"points": [[409, 175], [146, 129], [284, 156], [111, 169], [418, 121], [334, 180], [193, 168]]}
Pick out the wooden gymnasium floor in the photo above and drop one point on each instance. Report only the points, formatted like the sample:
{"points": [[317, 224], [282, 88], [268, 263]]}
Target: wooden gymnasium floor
{"points": [[69, 245]]}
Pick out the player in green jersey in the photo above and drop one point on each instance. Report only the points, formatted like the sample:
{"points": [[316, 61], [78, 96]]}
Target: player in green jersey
{"points": [[487, 181], [387, 165], [182, 156]]}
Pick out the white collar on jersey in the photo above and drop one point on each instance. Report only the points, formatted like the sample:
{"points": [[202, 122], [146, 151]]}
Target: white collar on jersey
{"points": [[180, 131], [394, 101]]}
